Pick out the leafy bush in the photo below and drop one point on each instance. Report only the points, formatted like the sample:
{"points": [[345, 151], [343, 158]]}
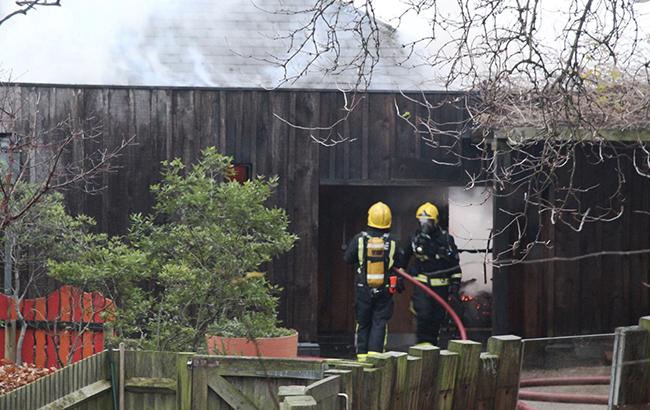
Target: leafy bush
{"points": [[183, 269]]}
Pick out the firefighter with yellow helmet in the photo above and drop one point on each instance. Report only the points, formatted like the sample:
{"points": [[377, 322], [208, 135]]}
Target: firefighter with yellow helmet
{"points": [[373, 252], [436, 264]]}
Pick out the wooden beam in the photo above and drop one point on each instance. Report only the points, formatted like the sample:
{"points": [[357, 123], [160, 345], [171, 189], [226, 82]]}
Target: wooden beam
{"points": [[258, 367], [298, 402], [230, 394], [77, 397], [160, 385]]}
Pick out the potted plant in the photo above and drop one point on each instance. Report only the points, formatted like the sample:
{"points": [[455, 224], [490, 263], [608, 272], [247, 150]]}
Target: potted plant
{"points": [[193, 253], [250, 327]]}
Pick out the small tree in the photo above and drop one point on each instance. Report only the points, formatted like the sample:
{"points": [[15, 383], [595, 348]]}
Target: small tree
{"points": [[45, 231], [188, 264]]}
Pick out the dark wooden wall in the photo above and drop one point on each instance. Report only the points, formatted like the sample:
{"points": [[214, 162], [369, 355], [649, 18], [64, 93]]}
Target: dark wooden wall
{"points": [[178, 122], [380, 148], [170, 123], [592, 294]]}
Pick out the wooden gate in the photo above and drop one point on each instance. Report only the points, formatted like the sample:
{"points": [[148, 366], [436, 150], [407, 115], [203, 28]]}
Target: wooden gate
{"points": [[228, 382]]}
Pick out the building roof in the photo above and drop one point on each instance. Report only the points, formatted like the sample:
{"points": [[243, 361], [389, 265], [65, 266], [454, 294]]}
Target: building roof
{"points": [[195, 43], [242, 43]]}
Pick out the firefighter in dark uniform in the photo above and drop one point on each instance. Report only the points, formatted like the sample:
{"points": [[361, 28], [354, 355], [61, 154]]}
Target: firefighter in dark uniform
{"points": [[436, 264], [373, 253]]}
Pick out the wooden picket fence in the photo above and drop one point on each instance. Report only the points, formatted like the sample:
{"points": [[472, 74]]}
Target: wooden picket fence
{"points": [[63, 327], [426, 377], [460, 378]]}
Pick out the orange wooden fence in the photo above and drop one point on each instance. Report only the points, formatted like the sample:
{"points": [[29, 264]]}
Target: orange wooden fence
{"points": [[64, 327]]}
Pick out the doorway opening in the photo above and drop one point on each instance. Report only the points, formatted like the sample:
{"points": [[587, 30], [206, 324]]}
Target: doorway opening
{"points": [[343, 214]]}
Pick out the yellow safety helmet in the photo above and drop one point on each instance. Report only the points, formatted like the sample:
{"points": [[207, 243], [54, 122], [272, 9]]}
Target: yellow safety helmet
{"points": [[427, 211], [379, 216]]}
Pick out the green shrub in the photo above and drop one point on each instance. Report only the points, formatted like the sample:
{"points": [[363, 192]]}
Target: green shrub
{"points": [[183, 269]]}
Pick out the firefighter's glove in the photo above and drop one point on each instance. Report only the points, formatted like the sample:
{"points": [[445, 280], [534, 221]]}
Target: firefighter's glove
{"points": [[400, 284]]}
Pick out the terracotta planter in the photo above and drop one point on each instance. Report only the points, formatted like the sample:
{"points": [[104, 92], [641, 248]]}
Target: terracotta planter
{"points": [[282, 346]]}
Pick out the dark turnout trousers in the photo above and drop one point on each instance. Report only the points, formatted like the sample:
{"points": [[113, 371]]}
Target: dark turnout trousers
{"points": [[373, 310], [429, 313]]}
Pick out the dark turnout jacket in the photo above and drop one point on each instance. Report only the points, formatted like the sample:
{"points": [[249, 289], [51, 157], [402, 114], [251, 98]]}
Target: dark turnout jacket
{"points": [[435, 255], [355, 253]]}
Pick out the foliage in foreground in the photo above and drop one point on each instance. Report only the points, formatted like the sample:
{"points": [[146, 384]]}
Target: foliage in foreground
{"points": [[183, 269]]}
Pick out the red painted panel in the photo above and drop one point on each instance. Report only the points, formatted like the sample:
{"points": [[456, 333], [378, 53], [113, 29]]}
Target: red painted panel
{"points": [[28, 347], [41, 310], [4, 307], [87, 302], [2, 343], [53, 306], [51, 356], [99, 341], [76, 304], [41, 357], [28, 309], [64, 346], [66, 309], [87, 350], [98, 306], [76, 340]]}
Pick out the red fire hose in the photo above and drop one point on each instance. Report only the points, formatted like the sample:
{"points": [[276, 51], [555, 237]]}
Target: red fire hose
{"points": [[565, 381], [533, 396], [437, 298]]}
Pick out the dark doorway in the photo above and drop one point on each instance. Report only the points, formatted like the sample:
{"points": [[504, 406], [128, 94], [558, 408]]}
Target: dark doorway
{"points": [[342, 214]]}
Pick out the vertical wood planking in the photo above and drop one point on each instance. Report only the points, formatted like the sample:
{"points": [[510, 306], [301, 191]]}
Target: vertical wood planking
{"points": [[381, 132], [508, 349], [304, 161], [446, 380], [120, 128], [467, 373], [487, 380], [144, 157], [430, 356]]}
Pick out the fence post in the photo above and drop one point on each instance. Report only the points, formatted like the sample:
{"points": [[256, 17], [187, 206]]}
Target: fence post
{"points": [[358, 396], [467, 373], [122, 377], [487, 381], [347, 384], [631, 367], [413, 381], [386, 364], [399, 398], [183, 381], [508, 349], [371, 388], [430, 356], [446, 380]]}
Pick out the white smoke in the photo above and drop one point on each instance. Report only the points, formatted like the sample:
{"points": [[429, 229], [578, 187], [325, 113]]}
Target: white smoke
{"points": [[229, 43], [470, 222], [74, 43]]}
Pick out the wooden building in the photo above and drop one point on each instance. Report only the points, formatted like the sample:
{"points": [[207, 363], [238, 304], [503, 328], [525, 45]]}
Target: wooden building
{"points": [[326, 192], [318, 186]]}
